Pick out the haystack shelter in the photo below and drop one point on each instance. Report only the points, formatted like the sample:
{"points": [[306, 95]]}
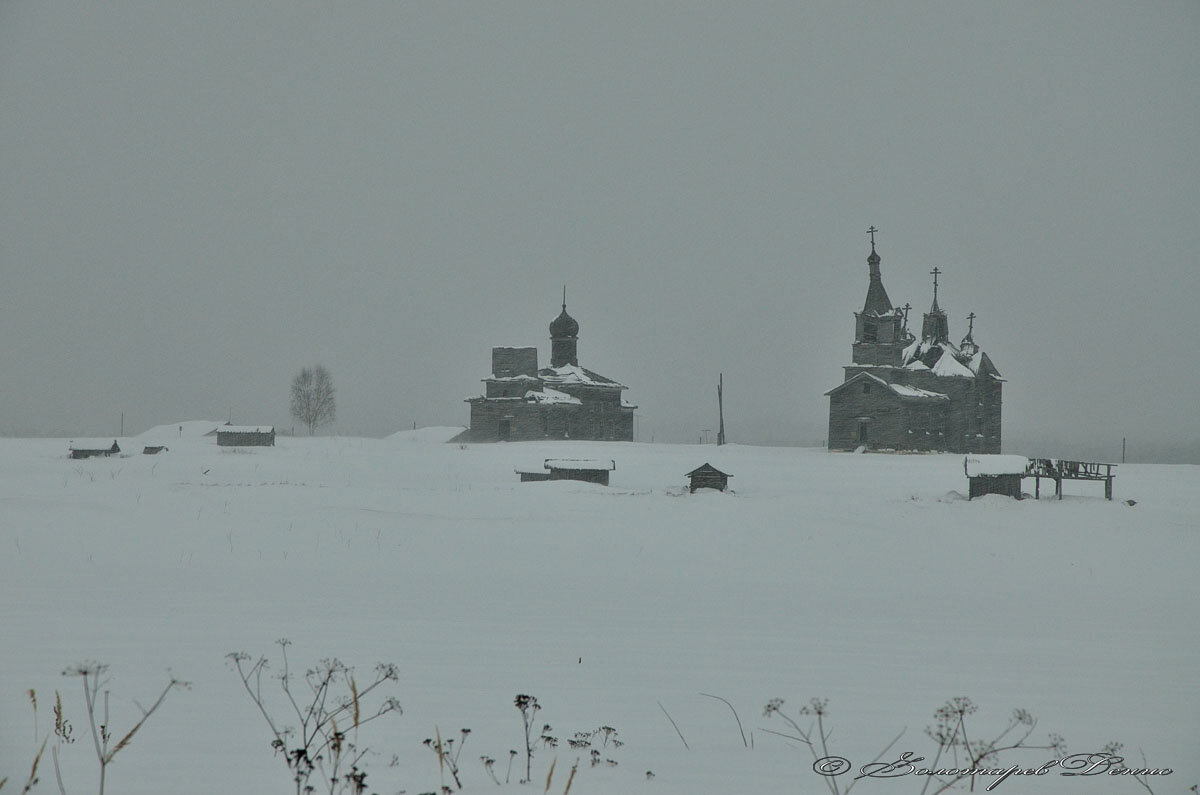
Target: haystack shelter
{"points": [[246, 436]]}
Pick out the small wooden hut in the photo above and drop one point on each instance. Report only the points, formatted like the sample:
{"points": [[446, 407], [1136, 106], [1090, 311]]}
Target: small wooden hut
{"points": [[91, 449], [246, 436], [707, 476]]}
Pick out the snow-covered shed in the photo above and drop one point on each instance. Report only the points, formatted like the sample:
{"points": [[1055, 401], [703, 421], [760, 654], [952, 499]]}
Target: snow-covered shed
{"points": [[994, 474], [588, 470], [88, 448], [246, 436], [707, 476]]}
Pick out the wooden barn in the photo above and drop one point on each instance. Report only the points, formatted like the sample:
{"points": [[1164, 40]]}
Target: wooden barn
{"points": [[93, 449], [583, 469], [246, 436], [707, 476], [994, 474]]}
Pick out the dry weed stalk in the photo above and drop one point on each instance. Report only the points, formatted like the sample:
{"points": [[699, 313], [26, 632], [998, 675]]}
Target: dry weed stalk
{"points": [[94, 678], [317, 744]]}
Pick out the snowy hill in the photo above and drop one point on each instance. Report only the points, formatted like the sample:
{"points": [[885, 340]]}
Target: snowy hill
{"points": [[864, 579]]}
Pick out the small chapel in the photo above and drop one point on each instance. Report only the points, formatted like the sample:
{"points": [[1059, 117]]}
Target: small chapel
{"points": [[563, 401], [908, 393]]}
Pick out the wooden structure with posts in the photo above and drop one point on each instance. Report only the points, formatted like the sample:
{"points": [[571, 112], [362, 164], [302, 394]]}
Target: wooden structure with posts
{"points": [[1002, 474], [1059, 470]]}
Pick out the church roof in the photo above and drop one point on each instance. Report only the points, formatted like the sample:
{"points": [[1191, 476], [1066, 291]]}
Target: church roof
{"points": [[944, 359], [548, 395], [877, 301], [510, 378], [899, 390], [573, 374], [948, 364]]}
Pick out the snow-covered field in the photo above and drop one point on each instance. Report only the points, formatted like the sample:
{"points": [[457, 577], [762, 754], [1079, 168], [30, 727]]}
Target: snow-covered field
{"points": [[864, 579]]}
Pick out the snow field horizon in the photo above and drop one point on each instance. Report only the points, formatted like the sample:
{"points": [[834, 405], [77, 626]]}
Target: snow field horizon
{"points": [[866, 580]]}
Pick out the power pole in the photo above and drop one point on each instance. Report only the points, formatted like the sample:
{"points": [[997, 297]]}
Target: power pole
{"points": [[721, 409]]}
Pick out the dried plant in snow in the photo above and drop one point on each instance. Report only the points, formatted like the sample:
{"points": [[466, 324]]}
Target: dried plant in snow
{"points": [[329, 709], [94, 677]]}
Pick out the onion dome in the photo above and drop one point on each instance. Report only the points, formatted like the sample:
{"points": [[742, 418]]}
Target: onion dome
{"points": [[564, 325]]}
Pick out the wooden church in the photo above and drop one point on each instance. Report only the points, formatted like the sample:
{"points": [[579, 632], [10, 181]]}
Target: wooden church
{"points": [[908, 393], [563, 401]]}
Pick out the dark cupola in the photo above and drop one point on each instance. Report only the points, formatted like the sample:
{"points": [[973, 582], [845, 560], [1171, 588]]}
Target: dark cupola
{"points": [[564, 337]]}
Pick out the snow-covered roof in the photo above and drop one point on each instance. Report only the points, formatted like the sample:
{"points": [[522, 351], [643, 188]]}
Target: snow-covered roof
{"points": [[948, 365], [548, 395], [900, 390], [246, 429], [105, 443], [579, 463], [574, 374], [913, 392], [967, 362], [995, 465], [510, 378]]}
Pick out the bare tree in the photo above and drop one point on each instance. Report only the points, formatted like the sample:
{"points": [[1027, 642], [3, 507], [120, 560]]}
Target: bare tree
{"points": [[312, 397]]}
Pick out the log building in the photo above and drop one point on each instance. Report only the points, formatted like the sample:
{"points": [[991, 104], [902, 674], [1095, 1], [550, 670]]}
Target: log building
{"points": [[563, 401], [905, 393]]}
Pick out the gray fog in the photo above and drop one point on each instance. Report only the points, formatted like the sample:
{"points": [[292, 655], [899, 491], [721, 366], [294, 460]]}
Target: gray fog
{"points": [[199, 199]]}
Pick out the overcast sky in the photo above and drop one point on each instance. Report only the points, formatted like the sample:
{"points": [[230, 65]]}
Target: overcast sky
{"points": [[198, 199]]}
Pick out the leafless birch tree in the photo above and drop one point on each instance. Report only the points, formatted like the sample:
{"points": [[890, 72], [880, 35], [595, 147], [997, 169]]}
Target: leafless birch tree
{"points": [[312, 397]]}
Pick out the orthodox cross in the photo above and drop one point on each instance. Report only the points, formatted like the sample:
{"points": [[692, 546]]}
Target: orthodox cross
{"points": [[971, 323], [935, 273], [564, 298], [872, 232], [906, 307]]}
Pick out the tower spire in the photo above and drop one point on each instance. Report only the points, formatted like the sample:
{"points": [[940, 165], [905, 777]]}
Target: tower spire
{"points": [[877, 298], [936, 326]]}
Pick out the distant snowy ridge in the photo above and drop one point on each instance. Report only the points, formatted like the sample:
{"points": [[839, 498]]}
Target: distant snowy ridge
{"points": [[189, 429], [438, 434]]}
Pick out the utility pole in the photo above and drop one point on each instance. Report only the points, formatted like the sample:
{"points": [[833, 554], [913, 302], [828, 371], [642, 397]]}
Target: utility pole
{"points": [[721, 409], [1122, 449]]}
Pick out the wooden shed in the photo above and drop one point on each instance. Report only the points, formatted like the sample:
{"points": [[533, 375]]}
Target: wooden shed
{"points": [[93, 449], [246, 436], [584, 469], [707, 476], [994, 474]]}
